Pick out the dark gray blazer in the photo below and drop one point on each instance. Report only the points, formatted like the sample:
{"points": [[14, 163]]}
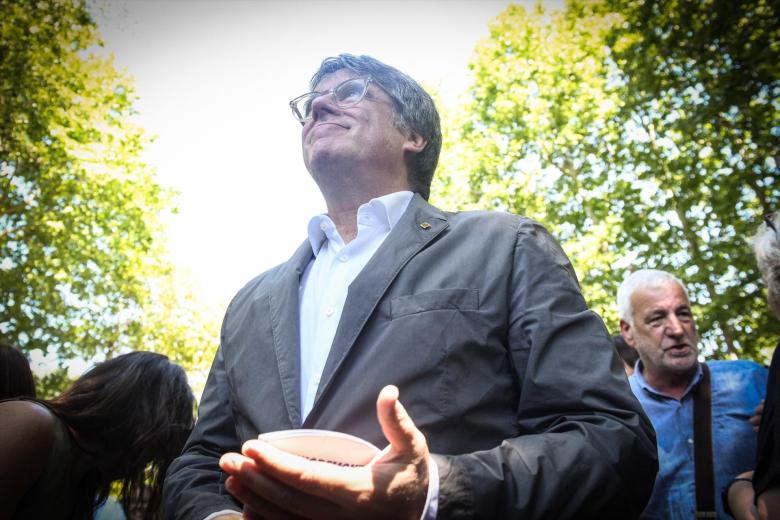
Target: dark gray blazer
{"points": [[478, 319]]}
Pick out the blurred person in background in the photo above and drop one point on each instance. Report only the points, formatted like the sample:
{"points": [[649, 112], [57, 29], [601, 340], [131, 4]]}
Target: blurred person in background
{"points": [[124, 420], [628, 354], [756, 494], [657, 320], [16, 379]]}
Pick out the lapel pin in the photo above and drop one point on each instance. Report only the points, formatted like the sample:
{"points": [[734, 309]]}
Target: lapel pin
{"points": [[425, 225]]}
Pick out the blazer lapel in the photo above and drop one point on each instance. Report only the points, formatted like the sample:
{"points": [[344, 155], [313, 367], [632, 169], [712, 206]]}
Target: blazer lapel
{"points": [[284, 315], [420, 224]]}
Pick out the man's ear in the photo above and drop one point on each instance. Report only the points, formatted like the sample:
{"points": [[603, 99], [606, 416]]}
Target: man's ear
{"points": [[415, 143], [628, 334]]}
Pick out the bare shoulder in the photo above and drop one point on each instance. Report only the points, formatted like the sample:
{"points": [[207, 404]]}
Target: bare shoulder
{"points": [[26, 429], [26, 436], [26, 419]]}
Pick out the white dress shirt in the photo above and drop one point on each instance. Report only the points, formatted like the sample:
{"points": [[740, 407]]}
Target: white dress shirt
{"points": [[325, 281]]}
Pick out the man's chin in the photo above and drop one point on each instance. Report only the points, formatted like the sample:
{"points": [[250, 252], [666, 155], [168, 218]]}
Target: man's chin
{"points": [[320, 156], [322, 165], [682, 363]]}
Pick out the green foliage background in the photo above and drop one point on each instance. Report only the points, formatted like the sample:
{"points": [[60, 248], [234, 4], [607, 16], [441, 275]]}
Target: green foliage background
{"points": [[642, 134], [83, 271]]}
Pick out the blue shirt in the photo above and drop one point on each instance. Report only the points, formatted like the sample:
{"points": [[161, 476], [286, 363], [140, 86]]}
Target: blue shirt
{"points": [[737, 387]]}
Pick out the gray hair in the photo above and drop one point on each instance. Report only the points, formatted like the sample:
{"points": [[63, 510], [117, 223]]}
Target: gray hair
{"points": [[766, 246], [641, 279], [413, 111]]}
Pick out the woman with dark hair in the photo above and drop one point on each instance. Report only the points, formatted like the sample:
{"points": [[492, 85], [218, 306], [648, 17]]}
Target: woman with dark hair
{"points": [[16, 379], [124, 420]]}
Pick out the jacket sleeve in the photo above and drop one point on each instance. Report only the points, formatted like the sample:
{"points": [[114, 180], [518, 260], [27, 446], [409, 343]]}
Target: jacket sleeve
{"points": [[584, 448], [194, 485]]}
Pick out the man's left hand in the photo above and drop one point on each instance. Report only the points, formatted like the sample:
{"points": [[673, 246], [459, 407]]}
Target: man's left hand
{"points": [[272, 483]]}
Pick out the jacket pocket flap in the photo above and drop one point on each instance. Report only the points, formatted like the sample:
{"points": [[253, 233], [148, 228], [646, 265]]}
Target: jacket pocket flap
{"points": [[439, 299]]}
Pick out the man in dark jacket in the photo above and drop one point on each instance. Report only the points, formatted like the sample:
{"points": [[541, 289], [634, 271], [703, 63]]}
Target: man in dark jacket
{"points": [[516, 405]]}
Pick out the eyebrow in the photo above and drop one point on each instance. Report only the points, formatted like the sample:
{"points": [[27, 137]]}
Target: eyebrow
{"points": [[655, 313]]}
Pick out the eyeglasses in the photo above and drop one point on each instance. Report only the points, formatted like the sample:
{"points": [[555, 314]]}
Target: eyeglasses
{"points": [[346, 94], [769, 220]]}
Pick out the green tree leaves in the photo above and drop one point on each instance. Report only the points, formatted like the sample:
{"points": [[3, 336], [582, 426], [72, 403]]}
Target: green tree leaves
{"points": [[79, 210], [703, 84], [643, 135]]}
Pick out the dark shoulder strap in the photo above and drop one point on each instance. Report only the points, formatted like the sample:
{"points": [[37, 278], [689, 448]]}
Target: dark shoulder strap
{"points": [[702, 446]]}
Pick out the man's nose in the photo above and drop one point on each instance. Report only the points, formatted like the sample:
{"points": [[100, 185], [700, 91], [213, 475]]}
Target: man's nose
{"points": [[322, 104], [674, 326]]}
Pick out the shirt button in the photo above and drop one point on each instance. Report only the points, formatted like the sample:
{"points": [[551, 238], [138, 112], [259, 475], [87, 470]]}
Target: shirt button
{"points": [[344, 258], [690, 441], [323, 226], [329, 311]]}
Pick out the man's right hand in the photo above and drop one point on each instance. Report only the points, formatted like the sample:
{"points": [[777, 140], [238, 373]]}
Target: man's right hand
{"points": [[273, 483]]}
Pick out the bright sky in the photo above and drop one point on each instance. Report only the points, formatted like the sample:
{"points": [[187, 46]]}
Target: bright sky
{"points": [[214, 79]]}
